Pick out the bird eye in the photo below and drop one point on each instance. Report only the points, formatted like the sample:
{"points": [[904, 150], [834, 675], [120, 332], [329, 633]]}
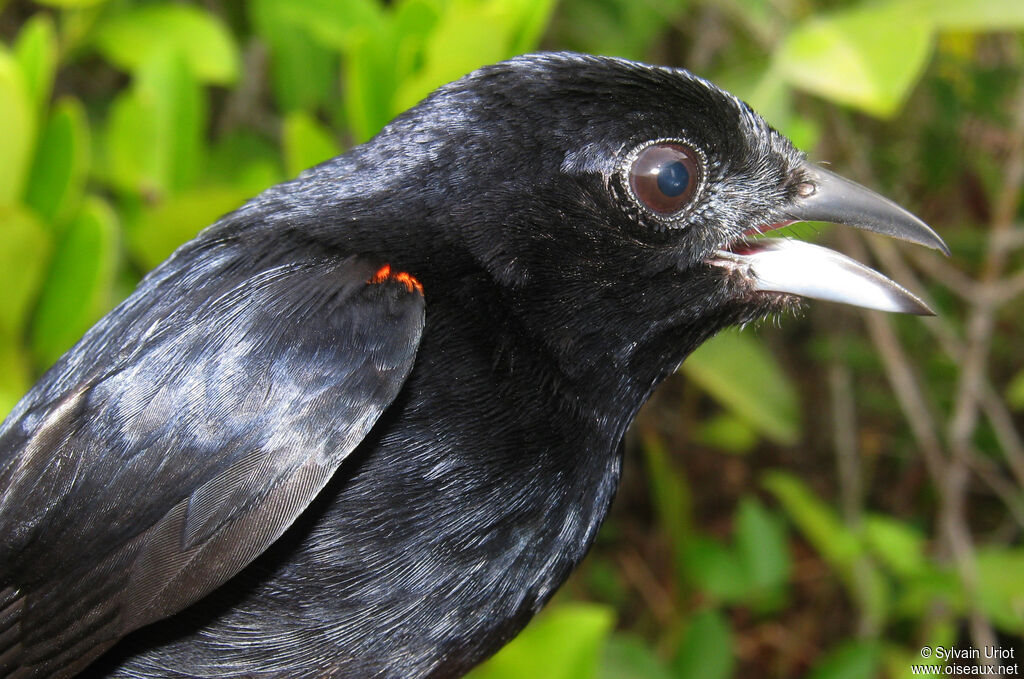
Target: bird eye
{"points": [[664, 177]]}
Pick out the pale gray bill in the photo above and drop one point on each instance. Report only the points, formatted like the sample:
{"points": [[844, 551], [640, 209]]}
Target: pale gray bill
{"points": [[799, 268]]}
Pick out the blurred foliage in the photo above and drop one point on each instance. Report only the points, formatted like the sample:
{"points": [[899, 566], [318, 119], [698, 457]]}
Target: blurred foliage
{"points": [[131, 124]]}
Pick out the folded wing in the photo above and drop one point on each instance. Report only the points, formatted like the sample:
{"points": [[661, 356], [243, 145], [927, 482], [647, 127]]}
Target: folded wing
{"points": [[138, 477]]}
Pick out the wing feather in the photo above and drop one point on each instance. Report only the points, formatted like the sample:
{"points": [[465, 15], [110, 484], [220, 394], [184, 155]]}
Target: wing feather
{"points": [[137, 484]]}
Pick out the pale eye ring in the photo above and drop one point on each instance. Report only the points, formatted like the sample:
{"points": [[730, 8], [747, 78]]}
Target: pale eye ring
{"points": [[664, 177]]}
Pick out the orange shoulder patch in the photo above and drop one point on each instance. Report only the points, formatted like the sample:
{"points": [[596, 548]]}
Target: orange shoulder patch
{"points": [[385, 274]]}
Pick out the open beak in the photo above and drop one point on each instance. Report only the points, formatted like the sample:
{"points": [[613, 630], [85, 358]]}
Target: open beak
{"points": [[790, 266]]}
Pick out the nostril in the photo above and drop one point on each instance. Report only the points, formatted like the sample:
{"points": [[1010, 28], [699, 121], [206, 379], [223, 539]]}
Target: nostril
{"points": [[805, 189]]}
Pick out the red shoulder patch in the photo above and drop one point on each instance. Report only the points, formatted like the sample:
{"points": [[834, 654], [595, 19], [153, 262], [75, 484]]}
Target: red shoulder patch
{"points": [[385, 274]]}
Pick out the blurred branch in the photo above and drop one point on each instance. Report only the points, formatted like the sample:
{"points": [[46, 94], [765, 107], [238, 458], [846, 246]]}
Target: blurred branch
{"points": [[659, 601], [992, 405], [950, 477], [937, 268], [844, 438], [951, 471]]}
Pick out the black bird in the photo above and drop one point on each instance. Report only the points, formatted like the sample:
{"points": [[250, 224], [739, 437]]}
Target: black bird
{"points": [[368, 423]]}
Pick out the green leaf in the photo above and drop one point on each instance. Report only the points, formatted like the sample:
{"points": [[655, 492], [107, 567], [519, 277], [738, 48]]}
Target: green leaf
{"points": [[564, 643], [772, 97], [303, 73], [818, 522], [919, 595], [131, 37], [334, 23], [852, 660], [971, 15], [706, 651], [78, 289], [1015, 392], [898, 660], [15, 375], [837, 544], [622, 28], [868, 57], [244, 160], [898, 545], [306, 142], [23, 260], [1001, 585], [71, 4], [671, 496], [715, 568], [762, 545], [160, 229], [17, 121], [469, 34], [737, 371], [531, 20], [36, 54], [155, 130], [61, 164], [630, 658], [370, 82], [728, 433]]}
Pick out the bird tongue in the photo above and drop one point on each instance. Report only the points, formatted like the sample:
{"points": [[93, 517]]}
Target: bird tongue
{"points": [[799, 268]]}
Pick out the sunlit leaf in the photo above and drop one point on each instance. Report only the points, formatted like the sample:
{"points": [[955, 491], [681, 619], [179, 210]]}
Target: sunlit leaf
{"points": [[335, 23], [303, 72], [306, 142], [23, 257], [818, 522], [971, 15], [77, 290], [130, 38], [898, 545], [15, 375], [70, 4], [532, 19], [17, 122], [36, 54], [370, 82], [728, 433], [706, 652], [564, 643], [1001, 586], [737, 370], [155, 130], [630, 658], [469, 34], [771, 96], [868, 57], [161, 229], [1015, 392], [852, 660], [61, 163]]}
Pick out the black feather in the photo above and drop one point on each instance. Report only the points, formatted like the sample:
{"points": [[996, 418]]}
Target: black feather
{"points": [[554, 306]]}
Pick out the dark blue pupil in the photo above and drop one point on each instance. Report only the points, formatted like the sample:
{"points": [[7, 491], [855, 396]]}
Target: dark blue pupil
{"points": [[673, 178]]}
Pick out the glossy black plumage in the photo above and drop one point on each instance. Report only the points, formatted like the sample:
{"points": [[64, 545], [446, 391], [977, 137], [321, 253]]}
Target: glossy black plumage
{"points": [[554, 303]]}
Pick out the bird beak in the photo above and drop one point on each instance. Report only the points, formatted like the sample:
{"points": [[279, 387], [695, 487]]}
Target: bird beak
{"points": [[835, 199], [790, 266]]}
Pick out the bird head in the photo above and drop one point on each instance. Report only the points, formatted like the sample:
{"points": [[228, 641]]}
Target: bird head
{"points": [[620, 207]]}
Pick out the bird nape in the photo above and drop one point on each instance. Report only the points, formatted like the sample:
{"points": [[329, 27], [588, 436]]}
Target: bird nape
{"points": [[368, 423]]}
